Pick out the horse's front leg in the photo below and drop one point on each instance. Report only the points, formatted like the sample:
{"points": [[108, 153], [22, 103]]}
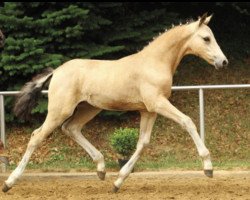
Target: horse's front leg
{"points": [[146, 125], [163, 107]]}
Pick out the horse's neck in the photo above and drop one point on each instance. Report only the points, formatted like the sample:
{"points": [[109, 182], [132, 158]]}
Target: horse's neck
{"points": [[169, 48]]}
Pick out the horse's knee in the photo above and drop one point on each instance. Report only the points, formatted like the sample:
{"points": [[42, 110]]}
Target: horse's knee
{"points": [[188, 124], [143, 143], [146, 142]]}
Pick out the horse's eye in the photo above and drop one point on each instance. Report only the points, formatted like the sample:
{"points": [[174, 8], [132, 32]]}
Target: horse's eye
{"points": [[206, 39]]}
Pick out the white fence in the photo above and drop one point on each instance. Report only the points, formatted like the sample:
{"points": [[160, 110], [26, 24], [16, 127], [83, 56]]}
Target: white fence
{"points": [[200, 89]]}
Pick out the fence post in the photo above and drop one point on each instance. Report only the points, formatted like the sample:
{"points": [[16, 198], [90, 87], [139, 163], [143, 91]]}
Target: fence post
{"points": [[2, 120], [3, 139], [202, 122]]}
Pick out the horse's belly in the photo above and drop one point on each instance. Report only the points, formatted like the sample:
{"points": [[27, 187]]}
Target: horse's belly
{"points": [[119, 105], [122, 106]]}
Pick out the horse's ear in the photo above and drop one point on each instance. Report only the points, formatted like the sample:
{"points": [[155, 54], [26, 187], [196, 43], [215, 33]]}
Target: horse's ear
{"points": [[202, 19], [208, 19], [205, 19]]}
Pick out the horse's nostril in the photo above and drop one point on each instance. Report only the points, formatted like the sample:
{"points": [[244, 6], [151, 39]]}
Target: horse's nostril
{"points": [[225, 62]]}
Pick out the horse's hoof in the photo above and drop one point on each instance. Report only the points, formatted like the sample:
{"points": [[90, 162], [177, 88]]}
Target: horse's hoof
{"points": [[209, 173], [115, 189], [101, 175], [5, 188]]}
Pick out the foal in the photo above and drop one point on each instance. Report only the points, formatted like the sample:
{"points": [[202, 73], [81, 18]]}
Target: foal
{"points": [[79, 89]]}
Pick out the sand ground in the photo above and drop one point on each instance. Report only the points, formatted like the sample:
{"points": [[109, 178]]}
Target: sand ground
{"points": [[181, 185]]}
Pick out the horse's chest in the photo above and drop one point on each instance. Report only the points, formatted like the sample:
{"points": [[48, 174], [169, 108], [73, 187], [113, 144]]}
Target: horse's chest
{"points": [[164, 87], [166, 91]]}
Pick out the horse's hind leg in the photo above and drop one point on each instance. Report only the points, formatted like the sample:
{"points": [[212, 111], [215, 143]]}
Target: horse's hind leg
{"points": [[72, 127], [53, 120]]}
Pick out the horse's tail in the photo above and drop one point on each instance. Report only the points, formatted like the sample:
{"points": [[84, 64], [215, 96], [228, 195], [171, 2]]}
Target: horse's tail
{"points": [[29, 94]]}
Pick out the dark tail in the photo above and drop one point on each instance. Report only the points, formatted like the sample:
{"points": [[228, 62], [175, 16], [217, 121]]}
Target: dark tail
{"points": [[27, 99]]}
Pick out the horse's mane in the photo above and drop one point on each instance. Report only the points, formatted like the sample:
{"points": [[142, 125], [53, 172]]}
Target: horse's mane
{"points": [[170, 28]]}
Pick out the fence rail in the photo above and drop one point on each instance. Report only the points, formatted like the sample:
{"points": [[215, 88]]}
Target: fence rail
{"points": [[200, 89]]}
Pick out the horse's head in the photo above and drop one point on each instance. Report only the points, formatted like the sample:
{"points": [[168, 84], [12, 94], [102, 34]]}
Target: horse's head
{"points": [[203, 44], [1, 39]]}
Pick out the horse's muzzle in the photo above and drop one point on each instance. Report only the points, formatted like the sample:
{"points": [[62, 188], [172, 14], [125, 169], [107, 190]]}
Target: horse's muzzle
{"points": [[221, 63]]}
